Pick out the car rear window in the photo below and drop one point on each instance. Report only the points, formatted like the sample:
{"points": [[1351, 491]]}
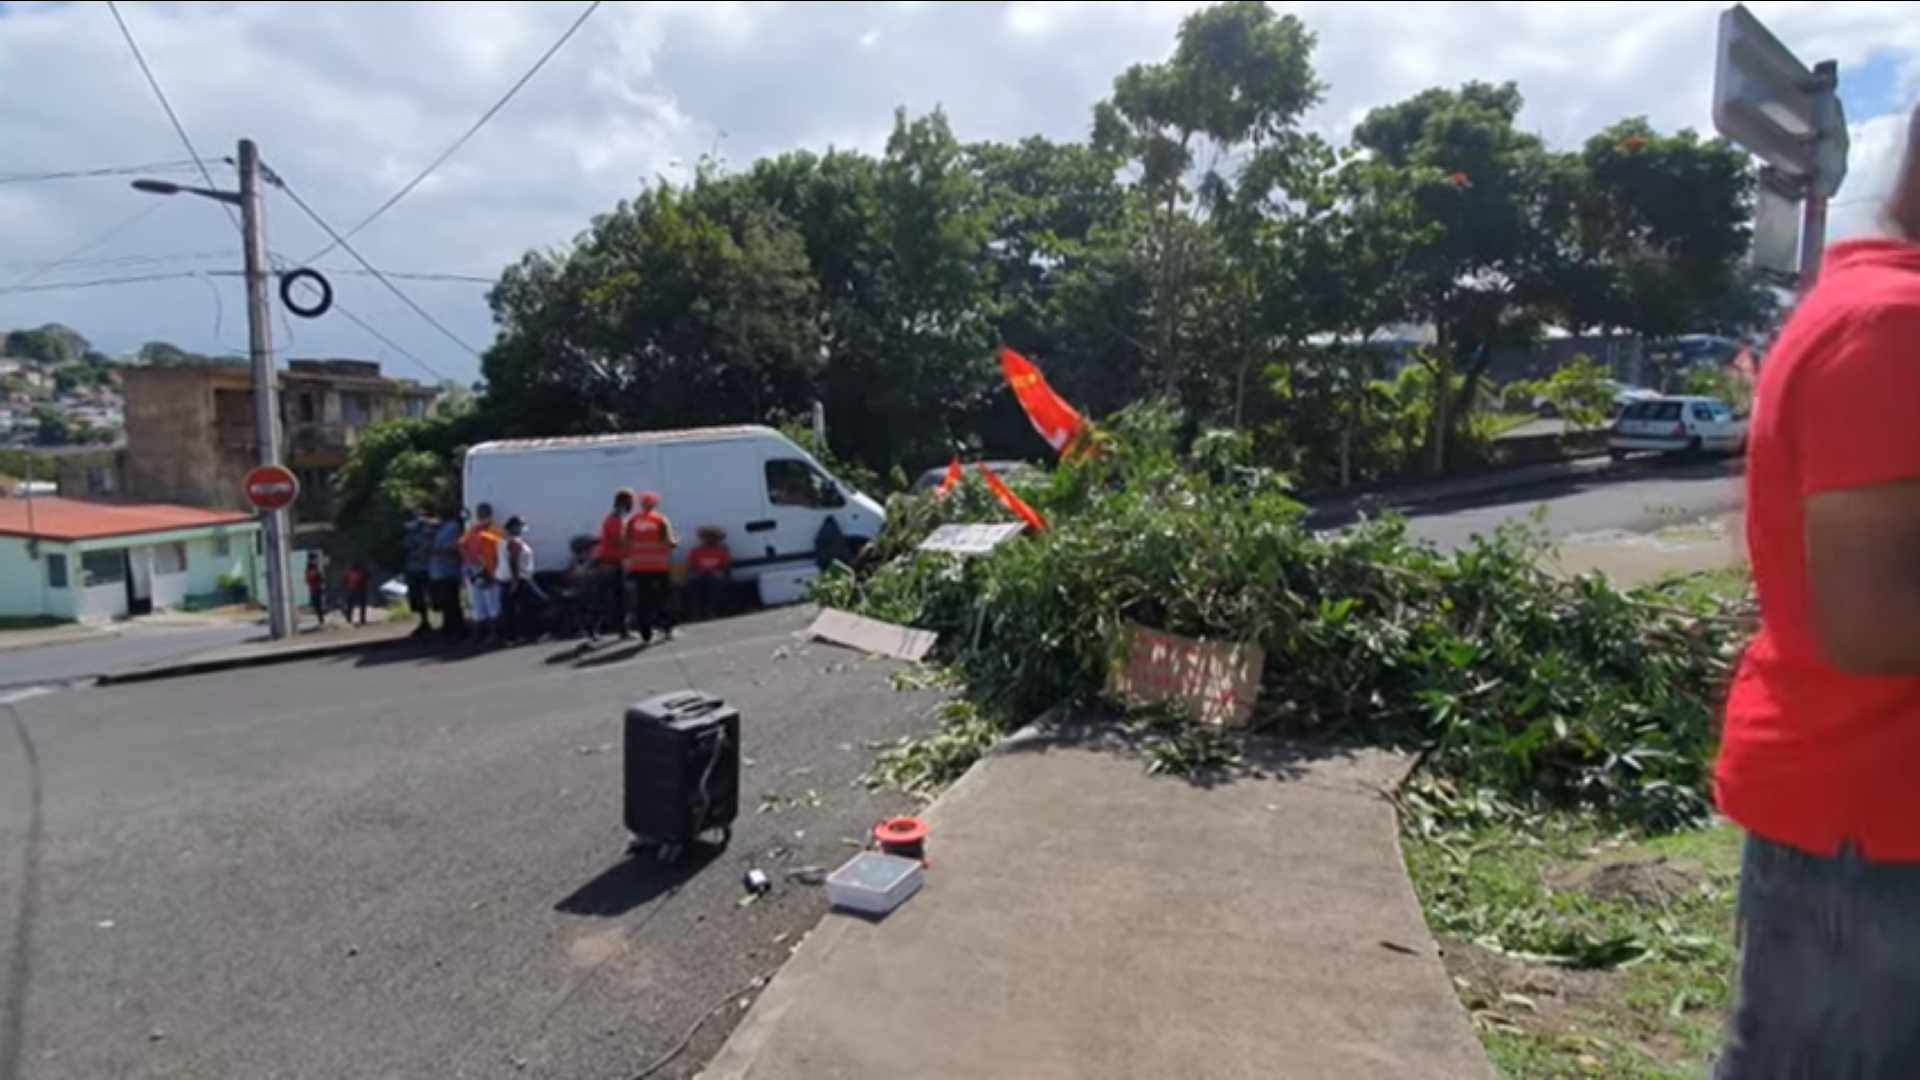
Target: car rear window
{"points": [[1652, 410]]}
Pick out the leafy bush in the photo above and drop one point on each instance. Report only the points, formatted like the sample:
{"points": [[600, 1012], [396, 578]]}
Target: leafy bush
{"points": [[1522, 691]]}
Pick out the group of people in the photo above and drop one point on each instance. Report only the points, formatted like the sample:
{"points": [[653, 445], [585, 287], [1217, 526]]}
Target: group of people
{"points": [[477, 574], [354, 584], [479, 577]]}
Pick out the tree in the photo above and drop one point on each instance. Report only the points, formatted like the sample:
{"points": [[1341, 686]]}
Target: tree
{"points": [[1486, 275], [50, 345], [1208, 130], [1661, 226]]}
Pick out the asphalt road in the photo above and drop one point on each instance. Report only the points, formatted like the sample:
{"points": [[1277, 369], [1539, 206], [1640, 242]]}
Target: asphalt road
{"points": [[412, 867], [69, 661], [1644, 498], [404, 866]]}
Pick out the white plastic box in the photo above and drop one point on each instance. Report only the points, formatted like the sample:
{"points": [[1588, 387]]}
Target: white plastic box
{"points": [[872, 883]]}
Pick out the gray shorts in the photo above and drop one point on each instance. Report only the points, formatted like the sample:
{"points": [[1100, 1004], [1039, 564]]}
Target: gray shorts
{"points": [[1829, 982]]}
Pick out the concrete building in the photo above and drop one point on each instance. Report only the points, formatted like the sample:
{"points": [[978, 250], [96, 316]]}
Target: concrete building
{"points": [[190, 430], [68, 559]]}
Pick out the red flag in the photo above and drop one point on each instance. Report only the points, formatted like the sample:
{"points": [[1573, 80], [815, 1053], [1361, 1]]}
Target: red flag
{"points": [[1744, 366], [952, 481], [1056, 421], [1013, 502]]}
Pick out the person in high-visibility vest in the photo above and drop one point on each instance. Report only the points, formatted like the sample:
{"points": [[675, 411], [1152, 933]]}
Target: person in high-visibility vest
{"points": [[609, 569], [480, 551], [650, 541]]}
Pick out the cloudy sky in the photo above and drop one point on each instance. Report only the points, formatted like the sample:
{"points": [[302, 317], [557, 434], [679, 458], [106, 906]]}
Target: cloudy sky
{"points": [[349, 101]]}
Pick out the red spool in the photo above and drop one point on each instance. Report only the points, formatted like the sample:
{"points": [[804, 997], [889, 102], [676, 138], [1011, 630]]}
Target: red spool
{"points": [[905, 837]]}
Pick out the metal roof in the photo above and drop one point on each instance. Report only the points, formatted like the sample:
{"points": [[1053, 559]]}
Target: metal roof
{"points": [[628, 438]]}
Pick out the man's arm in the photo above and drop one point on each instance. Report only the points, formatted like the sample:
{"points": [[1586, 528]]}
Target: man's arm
{"points": [[1857, 422]]}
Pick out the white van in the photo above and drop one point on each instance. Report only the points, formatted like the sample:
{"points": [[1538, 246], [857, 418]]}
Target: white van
{"points": [[771, 497]]}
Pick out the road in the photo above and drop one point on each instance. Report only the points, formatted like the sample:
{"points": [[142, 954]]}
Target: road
{"points": [[1645, 498], [405, 865], [130, 647], [413, 867]]}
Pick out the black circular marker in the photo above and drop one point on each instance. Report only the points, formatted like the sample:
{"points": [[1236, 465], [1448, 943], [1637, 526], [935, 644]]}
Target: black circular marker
{"points": [[308, 311]]}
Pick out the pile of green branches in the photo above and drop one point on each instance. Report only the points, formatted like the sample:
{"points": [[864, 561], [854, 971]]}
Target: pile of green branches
{"points": [[1522, 691]]}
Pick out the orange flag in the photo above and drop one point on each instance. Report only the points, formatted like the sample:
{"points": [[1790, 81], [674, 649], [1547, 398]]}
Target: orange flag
{"points": [[1744, 366], [952, 481], [1057, 422], [1013, 502]]}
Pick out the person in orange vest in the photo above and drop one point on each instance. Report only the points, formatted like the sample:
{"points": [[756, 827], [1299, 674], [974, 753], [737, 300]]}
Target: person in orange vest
{"points": [[650, 541], [609, 562], [480, 551]]}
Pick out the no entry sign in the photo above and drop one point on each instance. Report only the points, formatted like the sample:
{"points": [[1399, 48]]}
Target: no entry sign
{"points": [[271, 487]]}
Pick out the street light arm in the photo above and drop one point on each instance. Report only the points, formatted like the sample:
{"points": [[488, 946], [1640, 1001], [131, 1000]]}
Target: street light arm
{"points": [[168, 187]]}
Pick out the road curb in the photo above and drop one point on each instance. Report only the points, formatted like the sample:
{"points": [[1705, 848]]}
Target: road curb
{"points": [[264, 658], [736, 1058], [1495, 483]]}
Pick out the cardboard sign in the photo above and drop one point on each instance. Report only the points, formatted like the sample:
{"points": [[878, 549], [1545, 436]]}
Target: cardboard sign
{"points": [[872, 635], [1220, 683], [969, 539]]}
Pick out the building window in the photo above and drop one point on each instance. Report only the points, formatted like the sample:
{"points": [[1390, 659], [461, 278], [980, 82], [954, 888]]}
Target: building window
{"points": [[222, 545], [170, 559], [100, 480], [416, 408], [56, 571], [102, 568], [308, 412], [356, 410]]}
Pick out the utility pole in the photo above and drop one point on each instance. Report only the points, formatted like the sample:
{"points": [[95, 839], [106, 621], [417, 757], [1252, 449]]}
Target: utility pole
{"points": [[266, 387], [266, 380]]}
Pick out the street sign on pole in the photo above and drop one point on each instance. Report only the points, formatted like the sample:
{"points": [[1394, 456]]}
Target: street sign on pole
{"points": [[271, 488], [1789, 116]]}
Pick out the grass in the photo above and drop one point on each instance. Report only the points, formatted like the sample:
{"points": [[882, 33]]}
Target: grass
{"points": [[1580, 955], [1585, 954]]}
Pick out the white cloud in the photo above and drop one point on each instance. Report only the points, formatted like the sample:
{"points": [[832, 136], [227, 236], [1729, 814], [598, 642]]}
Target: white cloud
{"points": [[349, 100]]}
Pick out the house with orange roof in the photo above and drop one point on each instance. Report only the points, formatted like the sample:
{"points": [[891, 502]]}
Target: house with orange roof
{"points": [[86, 561]]}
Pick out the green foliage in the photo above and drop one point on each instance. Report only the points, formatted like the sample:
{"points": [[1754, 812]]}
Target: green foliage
{"points": [[1718, 382], [396, 469], [1581, 391], [1199, 247], [1521, 689]]}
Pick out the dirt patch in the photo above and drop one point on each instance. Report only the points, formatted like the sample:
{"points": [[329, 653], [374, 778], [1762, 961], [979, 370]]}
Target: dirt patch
{"points": [[1648, 883], [1500, 991]]}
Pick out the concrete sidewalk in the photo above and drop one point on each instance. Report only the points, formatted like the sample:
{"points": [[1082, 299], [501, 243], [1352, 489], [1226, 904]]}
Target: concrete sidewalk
{"points": [[1082, 919], [308, 644]]}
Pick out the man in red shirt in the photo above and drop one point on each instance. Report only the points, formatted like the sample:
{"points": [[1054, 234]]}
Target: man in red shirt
{"points": [[609, 557], [1820, 757]]}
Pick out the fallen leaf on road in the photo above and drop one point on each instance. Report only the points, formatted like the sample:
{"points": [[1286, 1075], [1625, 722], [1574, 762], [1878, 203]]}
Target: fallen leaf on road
{"points": [[105, 924]]}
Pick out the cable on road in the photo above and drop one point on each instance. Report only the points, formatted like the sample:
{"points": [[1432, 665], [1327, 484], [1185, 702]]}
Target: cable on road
{"points": [[406, 189], [673, 1053]]}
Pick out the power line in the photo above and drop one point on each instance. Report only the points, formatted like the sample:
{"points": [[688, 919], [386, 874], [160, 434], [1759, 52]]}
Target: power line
{"points": [[388, 342], [485, 118], [160, 94], [373, 271], [43, 269], [88, 174], [100, 283]]}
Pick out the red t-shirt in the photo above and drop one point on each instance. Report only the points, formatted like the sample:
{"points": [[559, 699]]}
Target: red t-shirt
{"points": [[709, 560], [613, 540], [1812, 757]]}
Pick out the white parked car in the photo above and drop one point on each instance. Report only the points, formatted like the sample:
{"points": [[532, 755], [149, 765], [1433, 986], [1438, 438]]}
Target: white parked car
{"points": [[1677, 425]]}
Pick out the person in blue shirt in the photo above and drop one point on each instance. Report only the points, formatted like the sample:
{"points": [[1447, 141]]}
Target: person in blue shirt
{"points": [[418, 541], [445, 571]]}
